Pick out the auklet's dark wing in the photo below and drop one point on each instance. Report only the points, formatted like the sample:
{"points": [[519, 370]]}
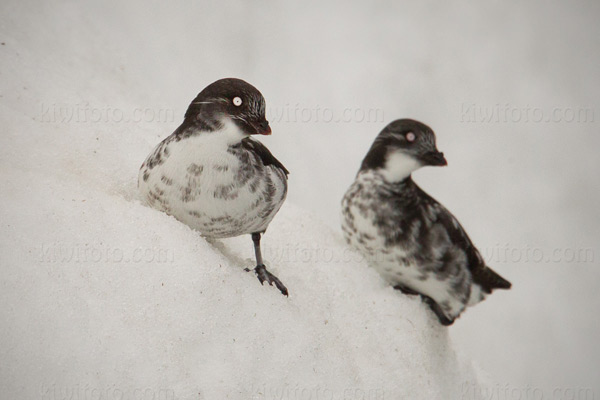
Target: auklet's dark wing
{"points": [[263, 153], [482, 275]]}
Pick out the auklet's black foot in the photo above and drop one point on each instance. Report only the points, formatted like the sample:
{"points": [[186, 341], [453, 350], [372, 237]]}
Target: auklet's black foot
{"points": [[264, 275]]}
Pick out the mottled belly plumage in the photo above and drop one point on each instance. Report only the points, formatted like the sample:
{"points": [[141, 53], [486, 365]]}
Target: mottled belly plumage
{"points": [[405, 251], [219, 193]]}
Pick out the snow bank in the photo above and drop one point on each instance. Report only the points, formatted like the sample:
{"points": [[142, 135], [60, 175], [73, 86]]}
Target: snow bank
{"points": [[100, 292], [105, 298]]}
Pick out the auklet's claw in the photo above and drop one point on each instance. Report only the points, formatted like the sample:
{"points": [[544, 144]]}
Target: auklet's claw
{"points": [[264, 275]]}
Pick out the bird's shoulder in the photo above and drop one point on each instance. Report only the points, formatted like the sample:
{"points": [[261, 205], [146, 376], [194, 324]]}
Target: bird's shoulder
{"points": [[481, 273], [262, 152], [456, 233]]}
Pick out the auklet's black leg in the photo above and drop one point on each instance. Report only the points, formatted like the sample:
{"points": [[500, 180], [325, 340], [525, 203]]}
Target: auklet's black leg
{"points": [[437, 310], [429, 301], [406, 290], [261, 271]]}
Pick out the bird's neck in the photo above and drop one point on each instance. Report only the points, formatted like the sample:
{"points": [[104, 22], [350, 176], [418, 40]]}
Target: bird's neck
{"points": [[393, 165], [398, 166], [221, 134], [406, 191], [406, 185], [374, 176]]}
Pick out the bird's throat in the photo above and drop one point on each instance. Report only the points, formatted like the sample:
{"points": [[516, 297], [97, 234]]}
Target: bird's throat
{"points": [[398, 166]]}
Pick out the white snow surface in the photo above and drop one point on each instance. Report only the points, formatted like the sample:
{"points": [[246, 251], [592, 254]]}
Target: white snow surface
{"points": [[195, 325], [103, 297]]}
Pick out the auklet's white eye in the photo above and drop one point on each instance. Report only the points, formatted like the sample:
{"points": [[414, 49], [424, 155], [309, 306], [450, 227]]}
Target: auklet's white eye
{"points": [[237, 101], [410, 137]]}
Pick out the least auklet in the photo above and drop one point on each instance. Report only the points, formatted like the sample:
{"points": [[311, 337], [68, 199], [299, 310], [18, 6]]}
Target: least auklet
{"points": [[407, 236], [212, 175]]}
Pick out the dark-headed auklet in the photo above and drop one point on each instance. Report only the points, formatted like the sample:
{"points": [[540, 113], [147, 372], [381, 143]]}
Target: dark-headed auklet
{"points": [[212, 175], [406, 235]]}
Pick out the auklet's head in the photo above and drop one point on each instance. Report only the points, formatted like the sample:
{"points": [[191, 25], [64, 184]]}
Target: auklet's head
{"points": [[402, 147], [229, 100]]}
